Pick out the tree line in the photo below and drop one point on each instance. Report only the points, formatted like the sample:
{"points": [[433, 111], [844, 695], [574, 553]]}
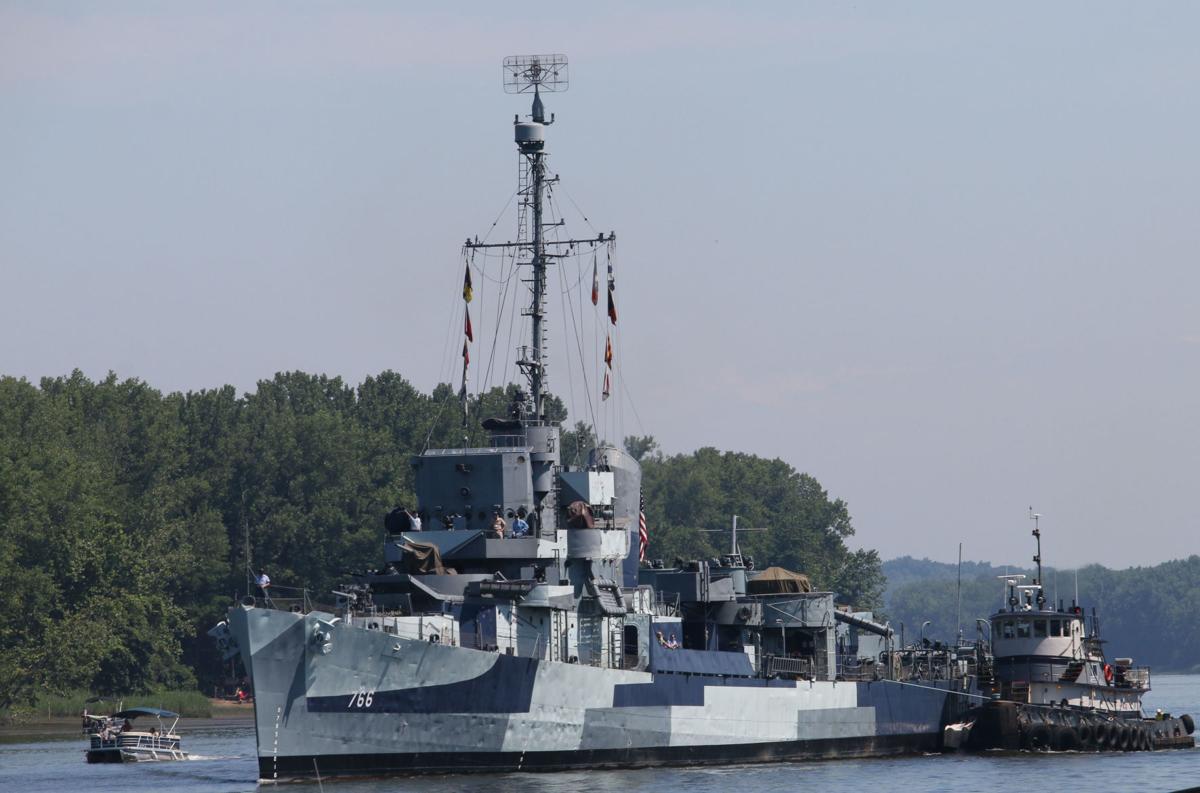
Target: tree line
{"points": [[131, 519]]}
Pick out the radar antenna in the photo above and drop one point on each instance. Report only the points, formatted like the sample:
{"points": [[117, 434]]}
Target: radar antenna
{"points": [[525, 73]]}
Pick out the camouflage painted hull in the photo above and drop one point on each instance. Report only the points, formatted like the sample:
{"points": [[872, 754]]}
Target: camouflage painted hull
{"points": [[356, 701]]}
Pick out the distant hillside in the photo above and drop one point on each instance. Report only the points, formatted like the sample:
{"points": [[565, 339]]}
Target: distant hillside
{"points": [[905, 570], [1150, 613]]}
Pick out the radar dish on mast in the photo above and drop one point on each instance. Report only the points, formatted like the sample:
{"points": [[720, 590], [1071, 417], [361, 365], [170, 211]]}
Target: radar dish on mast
{"points": [[526, 73]]}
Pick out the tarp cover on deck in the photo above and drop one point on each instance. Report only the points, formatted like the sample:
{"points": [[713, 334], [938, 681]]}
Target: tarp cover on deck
{"points": [[777, 581], [420, 557]]}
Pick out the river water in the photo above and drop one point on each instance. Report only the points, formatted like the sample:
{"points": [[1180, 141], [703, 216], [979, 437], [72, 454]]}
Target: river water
{"points": [[224, 763]]}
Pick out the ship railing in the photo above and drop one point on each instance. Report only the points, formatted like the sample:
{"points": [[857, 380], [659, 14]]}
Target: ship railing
{"points": [[666, 608], [508, 441], [144, 741], [852, 667], [285, 598], [927, 664], [1133, 677]]}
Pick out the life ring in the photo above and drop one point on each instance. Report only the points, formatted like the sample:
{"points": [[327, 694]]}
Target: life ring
{"points": [[1108, 673]]}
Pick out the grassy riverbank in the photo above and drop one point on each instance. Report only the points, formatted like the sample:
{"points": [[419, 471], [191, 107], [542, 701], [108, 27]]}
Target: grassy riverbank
{"points": [[40, 726], [53, 707]]}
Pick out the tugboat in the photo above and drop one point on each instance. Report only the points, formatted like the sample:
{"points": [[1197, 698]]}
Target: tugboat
{"points": [[113, 739], [516, 626], [1055, 689]]}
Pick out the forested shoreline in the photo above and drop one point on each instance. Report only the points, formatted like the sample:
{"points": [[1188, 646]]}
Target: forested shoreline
{"points": [[130, 518]]}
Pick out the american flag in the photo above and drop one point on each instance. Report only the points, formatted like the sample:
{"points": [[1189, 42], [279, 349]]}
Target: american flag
{"points": [[643, 535]]}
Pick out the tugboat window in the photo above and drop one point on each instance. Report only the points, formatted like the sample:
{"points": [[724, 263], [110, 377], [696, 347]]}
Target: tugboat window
{"points": [[1056, 628], [1022, 629], [1039, 629], [1006, 629]]}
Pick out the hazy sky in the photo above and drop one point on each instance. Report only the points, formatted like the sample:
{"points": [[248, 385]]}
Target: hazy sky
{"points": [[941, 256]]}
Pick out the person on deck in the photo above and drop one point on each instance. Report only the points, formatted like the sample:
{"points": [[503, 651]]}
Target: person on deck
{"points": [[264, 583], [520, 527], [498, 526], [414, 520]]}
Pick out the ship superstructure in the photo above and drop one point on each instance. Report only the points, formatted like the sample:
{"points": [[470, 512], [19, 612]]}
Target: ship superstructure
{"points": [[513, 625]]}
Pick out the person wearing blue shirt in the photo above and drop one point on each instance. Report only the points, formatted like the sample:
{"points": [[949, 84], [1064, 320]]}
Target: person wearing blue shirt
{"points": [[520, 528]]}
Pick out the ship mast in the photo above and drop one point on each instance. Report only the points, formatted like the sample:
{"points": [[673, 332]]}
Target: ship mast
{"points": [[535, 74], [531, 146]]}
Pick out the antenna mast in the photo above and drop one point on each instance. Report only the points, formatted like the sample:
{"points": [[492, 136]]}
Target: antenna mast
{"points": [[733, 533], [958, 608], [535, 74], [1041, 590], [522, 74], [1035, 517]]}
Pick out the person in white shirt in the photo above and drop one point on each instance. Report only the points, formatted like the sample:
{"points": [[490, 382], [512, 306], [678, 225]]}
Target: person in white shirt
{"points": [[264, 582]]}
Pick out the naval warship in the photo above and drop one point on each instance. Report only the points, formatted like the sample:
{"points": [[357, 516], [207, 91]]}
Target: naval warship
{"points": [[1052, 687], [515, 625]]}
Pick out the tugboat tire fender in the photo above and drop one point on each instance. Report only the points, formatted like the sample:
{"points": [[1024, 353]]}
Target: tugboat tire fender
{"points": [[1038, 737], [1125, 740], [1066, 739], [1188, 723], [1103, 735], [1086, 735]]}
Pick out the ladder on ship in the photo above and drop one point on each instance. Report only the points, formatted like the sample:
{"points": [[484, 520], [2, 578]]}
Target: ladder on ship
{"points": [[591, 646], [1071, 673], [616, 643]]}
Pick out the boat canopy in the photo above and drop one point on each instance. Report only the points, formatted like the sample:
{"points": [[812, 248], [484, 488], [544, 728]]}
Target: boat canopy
{"points": [[133, 713]]}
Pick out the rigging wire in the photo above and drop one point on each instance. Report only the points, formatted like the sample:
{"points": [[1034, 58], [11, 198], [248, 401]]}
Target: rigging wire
{"points": [[445, 370], [620, 403], [501, 306], [508, 363], [507, 300], [507, 204], [577, 209], [437, 416], [629, 396], [575, 326], [562, 297], [578, 258]]}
